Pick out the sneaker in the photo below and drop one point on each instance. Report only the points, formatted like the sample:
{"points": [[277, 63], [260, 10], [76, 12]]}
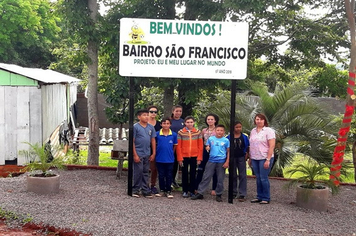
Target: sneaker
{"points": [[147, 195], [136, 194], [241, 199], [169, 195], [160, 194], [154, 190], [197, 196], [192, 194], [185, 195], [218, 198]]}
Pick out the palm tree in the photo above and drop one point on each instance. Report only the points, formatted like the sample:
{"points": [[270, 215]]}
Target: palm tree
{"points": [[301, 124]]}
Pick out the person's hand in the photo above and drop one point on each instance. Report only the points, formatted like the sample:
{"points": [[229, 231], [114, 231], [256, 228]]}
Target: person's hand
{"points": [[152, 157], [180, 163], [198, 162], [207, 148], [226, 165], [136, 159], [266, 164], [249, 162]]}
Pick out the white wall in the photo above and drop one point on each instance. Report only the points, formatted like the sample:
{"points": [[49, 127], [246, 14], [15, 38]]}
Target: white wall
{"points": [[20, 120], [54, 108]]}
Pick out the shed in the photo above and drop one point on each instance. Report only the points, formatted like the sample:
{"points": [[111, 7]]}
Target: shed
{"points": [[33, 104]]}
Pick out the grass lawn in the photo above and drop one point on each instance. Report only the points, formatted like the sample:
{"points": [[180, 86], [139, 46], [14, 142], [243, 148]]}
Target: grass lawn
{"points": [[104, 159]]}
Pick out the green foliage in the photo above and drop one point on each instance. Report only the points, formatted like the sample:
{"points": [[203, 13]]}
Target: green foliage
{"points": [[312, 175], [27, 33], [152, 96], [307, 36], [76, 19], [38, 158], [11, 216], [330, 81], [73, 158]]}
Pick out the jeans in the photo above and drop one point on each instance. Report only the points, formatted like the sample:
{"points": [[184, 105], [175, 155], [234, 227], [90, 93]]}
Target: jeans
{"points": [[239, 163], [262, 181], [210, 169], [140, 175], [165, 176], [188, 177], [201, 169]]}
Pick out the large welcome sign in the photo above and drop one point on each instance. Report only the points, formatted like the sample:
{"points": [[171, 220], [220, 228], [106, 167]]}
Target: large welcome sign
{"points": [[183, 49]]}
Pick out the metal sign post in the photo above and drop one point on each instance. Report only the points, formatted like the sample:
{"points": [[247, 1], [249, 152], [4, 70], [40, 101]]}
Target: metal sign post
{"points": [[232, 122], [131, 118]]}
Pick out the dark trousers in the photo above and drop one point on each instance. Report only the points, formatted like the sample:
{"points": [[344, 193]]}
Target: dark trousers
{"points": [[164, 176], [188, 174], [240, 186], [201, 169], [175, 168]]}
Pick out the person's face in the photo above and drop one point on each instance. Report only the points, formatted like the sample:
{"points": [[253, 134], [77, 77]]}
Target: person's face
{"points": [[166, 124], [220, 131], [143, 117], [210, 120], [189, 124], [238, 129], [259, 122], [153, 112], [177, 113]]}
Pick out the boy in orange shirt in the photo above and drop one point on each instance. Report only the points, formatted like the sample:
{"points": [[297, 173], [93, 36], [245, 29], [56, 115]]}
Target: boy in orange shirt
{"points": [[189, 153]]}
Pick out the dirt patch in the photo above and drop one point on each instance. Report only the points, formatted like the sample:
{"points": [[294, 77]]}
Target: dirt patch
{"points": [[23, 231], [11, 170], [35, 230]]}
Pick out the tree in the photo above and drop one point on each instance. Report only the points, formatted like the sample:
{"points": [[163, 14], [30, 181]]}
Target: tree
{"points": [[29, 29], [338, 155], [301, 124], [329, 81], [81, 20], [93, 116], [307, 36]]}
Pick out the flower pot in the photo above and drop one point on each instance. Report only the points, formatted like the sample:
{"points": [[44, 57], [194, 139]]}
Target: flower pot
{"points": [[315, 199], [43, 185]]}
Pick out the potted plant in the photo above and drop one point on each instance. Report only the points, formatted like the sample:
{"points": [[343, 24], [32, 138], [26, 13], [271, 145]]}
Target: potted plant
{"points": [[41, 179], [313, 185]]}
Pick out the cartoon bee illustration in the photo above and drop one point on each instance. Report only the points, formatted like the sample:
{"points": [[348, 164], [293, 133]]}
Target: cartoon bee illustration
{"points": [[136, 34]]}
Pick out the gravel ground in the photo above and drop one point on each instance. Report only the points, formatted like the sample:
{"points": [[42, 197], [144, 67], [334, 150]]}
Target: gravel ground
{"points": [[95, 202]]}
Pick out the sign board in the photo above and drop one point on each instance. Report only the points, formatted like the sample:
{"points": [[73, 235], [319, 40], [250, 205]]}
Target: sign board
{"points": [[183, 49]]}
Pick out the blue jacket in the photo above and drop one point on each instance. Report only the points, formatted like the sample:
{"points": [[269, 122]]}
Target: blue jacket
{"points": [[246, 141]]}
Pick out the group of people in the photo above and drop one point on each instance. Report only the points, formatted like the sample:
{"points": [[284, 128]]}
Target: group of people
{"points": [[202, 155]]}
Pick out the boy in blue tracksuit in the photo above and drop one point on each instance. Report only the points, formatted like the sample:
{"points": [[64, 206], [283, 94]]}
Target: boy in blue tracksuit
{"points": [[239, 157], [219, 147], [166, 145]]}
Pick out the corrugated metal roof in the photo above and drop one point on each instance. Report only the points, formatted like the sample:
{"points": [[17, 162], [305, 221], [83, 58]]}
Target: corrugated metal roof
{"points": [[45, 76]]}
